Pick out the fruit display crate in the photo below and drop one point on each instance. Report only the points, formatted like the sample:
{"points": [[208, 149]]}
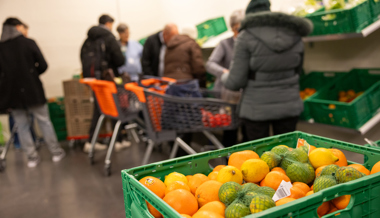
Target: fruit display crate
{"points": [[325, 107], [341, 21], [365, 192], [57, 108], [316, 80], [375, 9], [212, 27]]}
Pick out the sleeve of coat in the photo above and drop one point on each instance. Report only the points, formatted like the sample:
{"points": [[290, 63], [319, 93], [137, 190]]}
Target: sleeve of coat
{"points": [[197, 64], [146, 59], [213, 64], [117, 56], [239, 69], [38, 58]]}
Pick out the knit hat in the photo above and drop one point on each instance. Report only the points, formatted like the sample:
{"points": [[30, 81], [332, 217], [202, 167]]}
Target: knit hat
{"points": [[12, 21], [257, 6]]}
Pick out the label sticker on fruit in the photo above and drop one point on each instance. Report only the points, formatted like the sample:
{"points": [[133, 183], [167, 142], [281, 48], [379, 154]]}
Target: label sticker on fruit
{"points": [[283, 191], [303, 142]]}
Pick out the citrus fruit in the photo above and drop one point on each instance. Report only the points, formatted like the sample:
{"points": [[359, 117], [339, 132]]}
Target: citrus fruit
{"points": [[323, 182], [272, 159], [346, 174], [197, 180], [153, 211], [254, 170], [322, 156], [302, 186], [230, 174], [213, 175], [284, 201], [341, 202], [182, 201], [268, 191], [361, 168], [273, 179], [219, 167], [323, 209], [228, 192], [300, 172], [280, 150], [318, 170], [329, 170], [176, 185], [342, 158], [237, 210], [238, 158], [185, 216], [332, 208], [155, 185], [214, 206], [279, 169], [208, 192], [297, 155], [174, 176], [309, 193], [296, 192], [260, 203], [376, 168], [249, 187], [189, 177], [206, 214]]}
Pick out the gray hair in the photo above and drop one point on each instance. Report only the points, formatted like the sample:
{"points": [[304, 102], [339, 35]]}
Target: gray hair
{"points": [[236, 17], [122, 27]]}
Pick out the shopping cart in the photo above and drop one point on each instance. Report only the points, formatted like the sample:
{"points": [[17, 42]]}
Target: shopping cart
{"points": [[116, 103], [5, 149], [168, 116]]}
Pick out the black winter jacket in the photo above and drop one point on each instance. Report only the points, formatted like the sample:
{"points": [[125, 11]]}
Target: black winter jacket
{"points": [[151, 55]]}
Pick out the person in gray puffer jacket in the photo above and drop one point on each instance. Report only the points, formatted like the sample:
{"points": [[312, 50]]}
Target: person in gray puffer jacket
{"points": [[268, 58]]}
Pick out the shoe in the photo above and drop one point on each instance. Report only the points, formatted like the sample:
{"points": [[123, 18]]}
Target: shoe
{"points": [[33, 161], [98, 146], [126, 143], [120, 146], [58, 157]]}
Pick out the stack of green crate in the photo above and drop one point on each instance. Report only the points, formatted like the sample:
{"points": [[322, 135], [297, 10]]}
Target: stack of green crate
{"points": [[57, 116], [211, 28], [316, 80], [325, 107]]}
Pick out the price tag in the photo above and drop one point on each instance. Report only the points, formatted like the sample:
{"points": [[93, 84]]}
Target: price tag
{"points": [[283, 191]]}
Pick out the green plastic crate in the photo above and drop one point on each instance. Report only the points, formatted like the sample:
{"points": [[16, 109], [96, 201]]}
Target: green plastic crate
{"points": [[325, 107], [365, 191], [57, 108], [59, 124], [341, 21], [375, 9], [316, 80], [212, 28], [61, 135]]}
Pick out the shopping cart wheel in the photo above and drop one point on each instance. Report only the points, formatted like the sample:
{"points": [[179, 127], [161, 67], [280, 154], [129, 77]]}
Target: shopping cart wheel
{"points": [[2, 165], [107, 170]]}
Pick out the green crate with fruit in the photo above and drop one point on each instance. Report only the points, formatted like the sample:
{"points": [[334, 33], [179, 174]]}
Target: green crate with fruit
{"points": [[375, 9], [289, 175]]}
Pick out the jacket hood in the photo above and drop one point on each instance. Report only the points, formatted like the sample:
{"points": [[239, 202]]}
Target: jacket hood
{"points": [[278, 31], [178, 40], [9, 32], [98, 32]]}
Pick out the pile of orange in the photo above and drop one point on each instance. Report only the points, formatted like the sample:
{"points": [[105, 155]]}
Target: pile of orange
{"points": [[306, 93], [348, 96]]}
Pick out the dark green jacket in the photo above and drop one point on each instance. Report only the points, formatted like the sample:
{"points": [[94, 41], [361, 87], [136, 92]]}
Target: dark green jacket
{"points": [[268, 56]]}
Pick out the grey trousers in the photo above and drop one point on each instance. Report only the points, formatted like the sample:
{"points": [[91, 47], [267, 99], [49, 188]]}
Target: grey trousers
{"points": [[41, 115]]}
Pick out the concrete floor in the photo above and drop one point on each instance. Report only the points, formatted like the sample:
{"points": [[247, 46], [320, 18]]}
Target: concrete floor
{"points": [[74, 188]]}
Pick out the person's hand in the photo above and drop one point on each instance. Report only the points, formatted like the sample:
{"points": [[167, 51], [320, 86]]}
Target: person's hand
{"points": [[226, 71]]}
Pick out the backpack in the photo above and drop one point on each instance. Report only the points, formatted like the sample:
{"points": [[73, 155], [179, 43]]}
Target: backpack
{"points": [[93, 57]]}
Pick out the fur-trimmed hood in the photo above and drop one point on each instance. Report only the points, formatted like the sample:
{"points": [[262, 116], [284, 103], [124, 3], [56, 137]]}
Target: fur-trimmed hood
{"points": [[301, 26], [277, 31]]}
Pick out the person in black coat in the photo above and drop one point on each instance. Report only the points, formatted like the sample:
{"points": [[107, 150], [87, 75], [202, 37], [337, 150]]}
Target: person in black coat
{"points": [[21, 64]]}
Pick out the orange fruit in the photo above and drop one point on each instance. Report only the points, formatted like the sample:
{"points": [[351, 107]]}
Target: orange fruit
{"points": [[207, 214], [323, 209], [155, 185], [214, 206], [176, 185], [319, 170], [188, 177], [312, 187], [309, 193], [238, 158], [284, 201], [361, 168], [312, 147], [279, 169], [185, 216], [341, 202], [219, 167], [332, 208], [262, 183], [274, 179], [213, 175], [182, 201], [342, 158], [153, 211], [296, 192], [208, 192], [197, 180], [376, 168], [305, 188]]}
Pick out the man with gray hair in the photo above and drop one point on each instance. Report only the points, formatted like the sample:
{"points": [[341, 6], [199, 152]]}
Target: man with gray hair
{"points": [[132, 51], [219, 63]]}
